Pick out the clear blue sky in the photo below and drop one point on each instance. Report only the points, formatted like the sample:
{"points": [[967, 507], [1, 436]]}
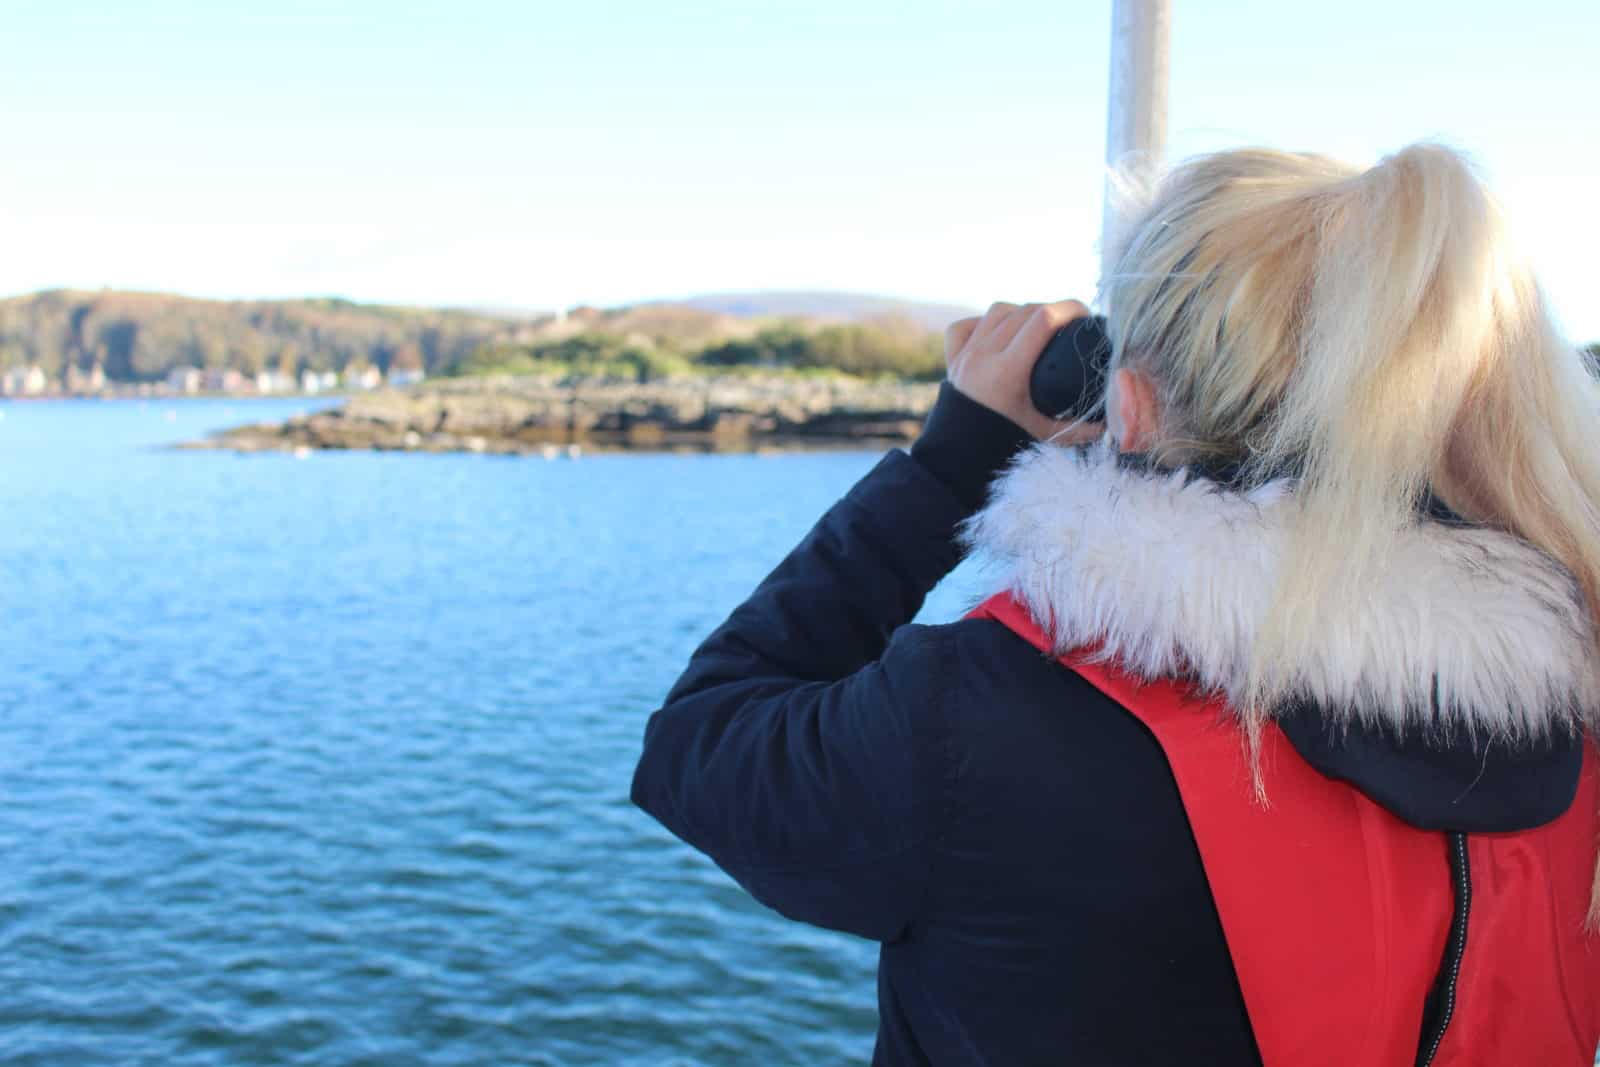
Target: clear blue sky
{"points": [[536, 154]]}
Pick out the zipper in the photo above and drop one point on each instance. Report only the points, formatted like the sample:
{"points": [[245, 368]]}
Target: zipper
{"points": [[1443, 998]]}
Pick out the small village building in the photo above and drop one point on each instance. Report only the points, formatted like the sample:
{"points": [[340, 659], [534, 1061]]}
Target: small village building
{"points": [[271, 381], [222, 381], [184, 380], [363, 377], [24, 381]]}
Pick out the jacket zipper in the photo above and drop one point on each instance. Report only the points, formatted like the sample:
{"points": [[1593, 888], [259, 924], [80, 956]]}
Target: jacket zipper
{"points": [[1450, 971]]}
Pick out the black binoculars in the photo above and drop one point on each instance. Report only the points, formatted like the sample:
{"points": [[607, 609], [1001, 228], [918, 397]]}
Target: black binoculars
{"points": [[1069, 379]]}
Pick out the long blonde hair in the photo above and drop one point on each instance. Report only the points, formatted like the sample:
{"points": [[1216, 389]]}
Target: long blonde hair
{"points": [[1373, 333]]}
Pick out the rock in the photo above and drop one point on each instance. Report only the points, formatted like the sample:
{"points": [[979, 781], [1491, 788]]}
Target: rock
{"points": [[539, 416]]}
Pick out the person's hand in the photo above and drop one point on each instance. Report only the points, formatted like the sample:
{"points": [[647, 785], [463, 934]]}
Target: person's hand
{"points": [[991, 360]]}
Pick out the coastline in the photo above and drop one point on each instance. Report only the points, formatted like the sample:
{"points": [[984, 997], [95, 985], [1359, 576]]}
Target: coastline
{"points": [[511, 416]]}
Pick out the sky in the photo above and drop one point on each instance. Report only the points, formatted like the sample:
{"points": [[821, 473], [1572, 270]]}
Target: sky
{"points": [[535, 154]]}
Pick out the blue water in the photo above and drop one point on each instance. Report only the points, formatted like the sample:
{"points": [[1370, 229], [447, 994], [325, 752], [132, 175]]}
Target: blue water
{"points": [[326, 760]]}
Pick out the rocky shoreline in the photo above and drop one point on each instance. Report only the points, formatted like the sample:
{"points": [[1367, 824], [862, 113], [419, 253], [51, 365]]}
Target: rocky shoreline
{"points": [[542, 417]]}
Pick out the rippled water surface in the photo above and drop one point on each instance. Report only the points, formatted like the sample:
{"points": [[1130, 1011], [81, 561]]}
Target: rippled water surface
{"points": [[326, 760]]}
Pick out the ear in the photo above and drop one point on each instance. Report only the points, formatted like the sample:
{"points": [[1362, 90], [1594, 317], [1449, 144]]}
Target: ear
{"points": [[1136, 412]]}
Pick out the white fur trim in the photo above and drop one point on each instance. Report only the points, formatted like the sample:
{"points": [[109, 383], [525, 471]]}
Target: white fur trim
{"points": [[1174, 574]]}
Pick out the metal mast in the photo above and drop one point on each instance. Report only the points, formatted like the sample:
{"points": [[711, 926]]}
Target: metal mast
{"points": [[1136, 127]]}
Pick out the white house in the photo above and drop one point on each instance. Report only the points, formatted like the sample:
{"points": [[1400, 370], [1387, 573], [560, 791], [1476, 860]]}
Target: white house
{"points": [[82, 381], [24, 381], [184, 379], [271, 381], [366, 377]]}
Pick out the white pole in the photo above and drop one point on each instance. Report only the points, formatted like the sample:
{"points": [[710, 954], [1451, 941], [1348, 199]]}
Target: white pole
{"points": [[1136, 128]]}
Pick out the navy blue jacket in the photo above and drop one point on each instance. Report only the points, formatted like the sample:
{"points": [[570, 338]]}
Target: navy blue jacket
{"points": [[1011, 837]]}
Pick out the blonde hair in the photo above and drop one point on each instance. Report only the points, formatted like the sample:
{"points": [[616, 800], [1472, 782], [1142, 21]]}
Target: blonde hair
{"points": [[1371, 332]]}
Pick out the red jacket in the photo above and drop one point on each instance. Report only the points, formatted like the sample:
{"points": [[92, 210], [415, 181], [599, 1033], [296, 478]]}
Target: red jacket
{"points": [[1355, 935]]}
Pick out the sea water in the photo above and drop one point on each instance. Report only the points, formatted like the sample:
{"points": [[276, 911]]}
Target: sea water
{"points": [[325, 760]]}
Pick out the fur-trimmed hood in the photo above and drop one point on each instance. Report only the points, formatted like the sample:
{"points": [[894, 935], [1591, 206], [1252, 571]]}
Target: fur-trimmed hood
{"points": [[1173, 573]]}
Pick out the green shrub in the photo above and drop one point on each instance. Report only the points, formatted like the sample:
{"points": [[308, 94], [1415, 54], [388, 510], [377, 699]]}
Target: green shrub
{"points": [[587, 355], [885, 348], [869, 350], [776, 346]]}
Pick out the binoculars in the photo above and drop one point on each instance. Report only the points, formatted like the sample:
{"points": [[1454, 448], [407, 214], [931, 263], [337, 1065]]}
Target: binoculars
{"points": [[1069, 379]]}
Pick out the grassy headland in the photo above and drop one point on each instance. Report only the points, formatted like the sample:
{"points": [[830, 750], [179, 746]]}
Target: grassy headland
{"points": [[609, 345]]}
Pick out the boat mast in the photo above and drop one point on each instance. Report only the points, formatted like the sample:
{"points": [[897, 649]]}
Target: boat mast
{"points": [[1136, 127]]}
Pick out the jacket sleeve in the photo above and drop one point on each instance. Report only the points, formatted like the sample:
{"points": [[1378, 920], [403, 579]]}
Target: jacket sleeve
{"points": [[804, 749]]}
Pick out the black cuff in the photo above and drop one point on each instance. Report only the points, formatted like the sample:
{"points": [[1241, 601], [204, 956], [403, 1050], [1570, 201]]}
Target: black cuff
{"points": [[965, 444]]}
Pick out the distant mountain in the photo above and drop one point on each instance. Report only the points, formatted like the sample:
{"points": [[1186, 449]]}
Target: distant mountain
{"points": [[843, 307]]}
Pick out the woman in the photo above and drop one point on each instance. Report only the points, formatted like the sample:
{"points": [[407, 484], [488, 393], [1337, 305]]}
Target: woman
{"points": [[1304, 773]]}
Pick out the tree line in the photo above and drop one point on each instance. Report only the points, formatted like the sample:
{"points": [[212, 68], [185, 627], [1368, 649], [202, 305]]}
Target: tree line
{"points": [[142, 337]]}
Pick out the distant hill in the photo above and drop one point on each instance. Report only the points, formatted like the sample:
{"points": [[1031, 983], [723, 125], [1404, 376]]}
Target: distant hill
{"points": [[138, 337], [828, 306], [134, 337], [143, 337]]}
